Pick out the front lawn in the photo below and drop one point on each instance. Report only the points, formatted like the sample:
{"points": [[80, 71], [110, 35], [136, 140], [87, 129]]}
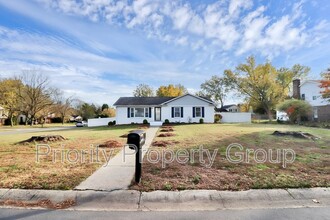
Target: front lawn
{"points": [[311, 167], [59, 169]]}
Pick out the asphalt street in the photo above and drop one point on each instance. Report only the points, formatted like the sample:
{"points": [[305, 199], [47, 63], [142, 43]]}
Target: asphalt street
{"points": [[247, 214], [32, 130]]}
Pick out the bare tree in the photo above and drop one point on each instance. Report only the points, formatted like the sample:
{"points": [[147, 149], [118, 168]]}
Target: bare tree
{"points": [[143, 90], [63, 106], [36, 94]]}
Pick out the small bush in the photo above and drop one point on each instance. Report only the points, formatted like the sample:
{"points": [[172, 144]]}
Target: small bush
{"points": [[201, 121], [167, 186], [114, 122], [145, 121], [110, 123], [166, 121], [217, 118], [297, 110]]}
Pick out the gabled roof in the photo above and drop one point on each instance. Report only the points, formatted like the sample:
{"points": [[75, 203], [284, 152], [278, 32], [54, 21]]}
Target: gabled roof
{"points": [[228, 106], [310, 81], [125, 101], [141, 100], [198, 97]]}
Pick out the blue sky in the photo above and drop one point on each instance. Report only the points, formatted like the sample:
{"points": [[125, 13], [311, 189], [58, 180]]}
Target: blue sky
{"points": [[99, 50]]}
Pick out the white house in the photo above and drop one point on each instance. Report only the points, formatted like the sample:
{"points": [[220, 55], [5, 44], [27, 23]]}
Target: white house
{"points": [[187, 108], [310, 91], [229, 108]]}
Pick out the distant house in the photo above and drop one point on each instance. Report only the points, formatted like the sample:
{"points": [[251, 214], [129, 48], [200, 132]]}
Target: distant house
{"points": [[3, 115], [75, 118], [310, 91], [187, 108], [229, 108]]}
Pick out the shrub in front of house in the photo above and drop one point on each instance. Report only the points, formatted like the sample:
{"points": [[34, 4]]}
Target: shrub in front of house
{"points": [[166, 121], [114, 122], [145, 121], [110, 123], [201, 121], [217, 118]]}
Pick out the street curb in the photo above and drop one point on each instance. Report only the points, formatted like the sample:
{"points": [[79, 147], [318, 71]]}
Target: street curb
{"points": [[190, 200]]}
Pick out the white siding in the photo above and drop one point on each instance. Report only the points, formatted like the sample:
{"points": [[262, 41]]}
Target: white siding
{"points": [[188, 114], [121, 115], [187, 100], [311, 89]]}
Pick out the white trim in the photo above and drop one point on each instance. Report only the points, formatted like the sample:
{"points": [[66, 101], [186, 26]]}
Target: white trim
{"points": [[210, 102], [310, 81]]}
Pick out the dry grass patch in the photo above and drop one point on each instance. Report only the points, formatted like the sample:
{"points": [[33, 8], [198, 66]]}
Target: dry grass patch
{"points": [[310, 169], [60, 168], [164, 143], [46, 203]]}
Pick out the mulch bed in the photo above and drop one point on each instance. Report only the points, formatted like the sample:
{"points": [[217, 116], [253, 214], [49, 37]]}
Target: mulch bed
{"points": [[296, 134], [111, 144], [166, 135], [164, 143], [167, 129], [43, 139]]}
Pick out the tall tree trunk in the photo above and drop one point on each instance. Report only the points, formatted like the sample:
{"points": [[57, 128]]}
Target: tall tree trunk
{"points": [[11, 120], [32, 118], [270, 115], [62, 119]]}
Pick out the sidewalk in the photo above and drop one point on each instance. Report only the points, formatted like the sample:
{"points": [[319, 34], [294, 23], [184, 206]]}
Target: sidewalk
{"points": [[188, 200], [119, 172]]}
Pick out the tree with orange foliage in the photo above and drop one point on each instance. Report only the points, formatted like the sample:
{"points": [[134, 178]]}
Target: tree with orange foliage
{"points": [[171, 90], [325, 85]]}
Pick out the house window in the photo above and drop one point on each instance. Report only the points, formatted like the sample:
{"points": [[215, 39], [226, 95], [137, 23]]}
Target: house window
{"points": [[198, 112], [303, 96], [139, 112], [314, 97], [177, 112]]}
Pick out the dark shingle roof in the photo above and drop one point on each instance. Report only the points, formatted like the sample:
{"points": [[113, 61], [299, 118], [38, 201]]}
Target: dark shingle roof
{"points": [[142, 100], [228, 106]]}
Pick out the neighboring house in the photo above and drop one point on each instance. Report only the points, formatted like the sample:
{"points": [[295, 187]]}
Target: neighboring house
{"points": [[3, 115], [75, 118], [310, 91], [229, 108], [187, 108]]}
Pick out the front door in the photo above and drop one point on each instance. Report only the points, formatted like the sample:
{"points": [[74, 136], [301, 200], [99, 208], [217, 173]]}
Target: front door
{"points": [[158, 114]]}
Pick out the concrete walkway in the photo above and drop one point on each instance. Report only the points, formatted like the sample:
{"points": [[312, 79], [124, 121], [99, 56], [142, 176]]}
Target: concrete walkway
{"points": [[119, 172]]}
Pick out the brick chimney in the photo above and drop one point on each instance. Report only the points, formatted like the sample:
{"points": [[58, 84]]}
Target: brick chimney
{"points": [[296, 89]]}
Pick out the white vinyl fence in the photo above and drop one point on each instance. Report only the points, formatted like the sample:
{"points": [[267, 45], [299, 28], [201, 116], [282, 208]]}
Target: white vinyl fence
{"points": [[239, 117], [95, 122]]}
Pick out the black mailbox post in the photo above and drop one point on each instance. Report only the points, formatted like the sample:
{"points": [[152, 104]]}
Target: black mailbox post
{"points": [[137, 138]]}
